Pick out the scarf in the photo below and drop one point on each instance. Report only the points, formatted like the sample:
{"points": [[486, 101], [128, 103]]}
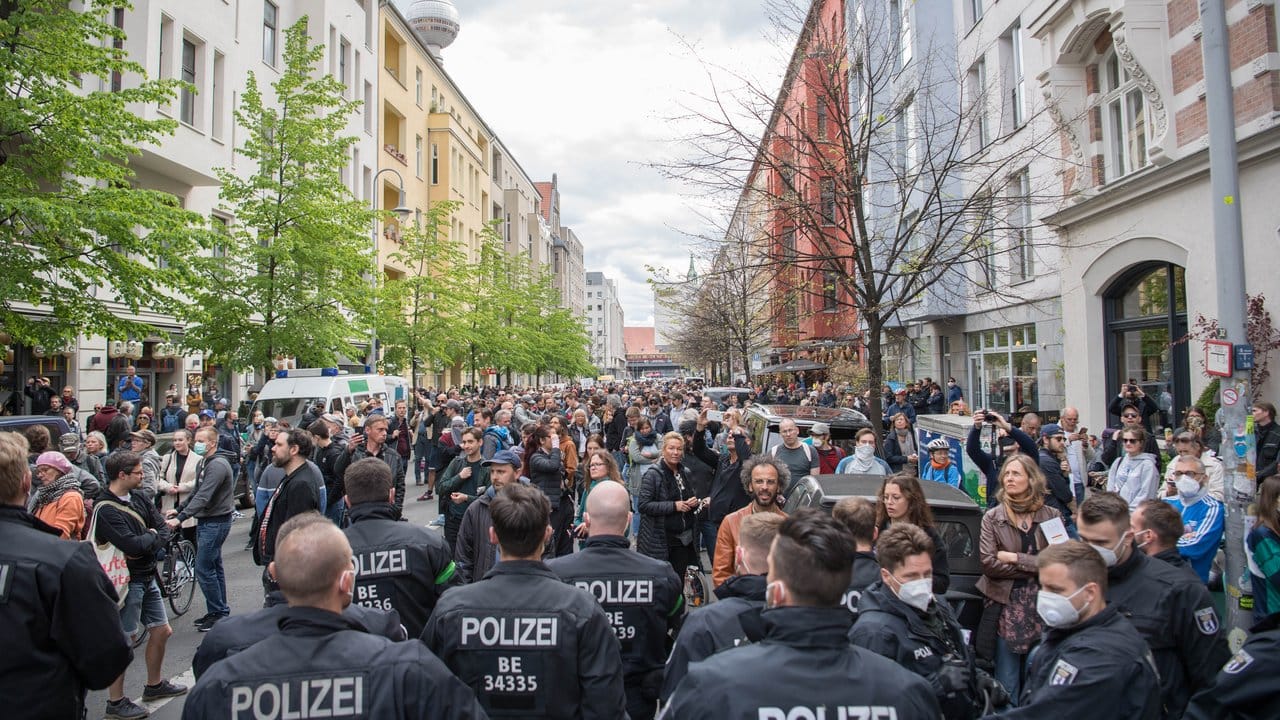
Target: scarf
{"points": [[906, 441], [50, 492], [940, 465], [646, 439], [859, 466], [1027, 503]]}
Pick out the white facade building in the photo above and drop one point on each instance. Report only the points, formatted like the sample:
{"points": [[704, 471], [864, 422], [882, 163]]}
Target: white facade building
{"points": [[604, 325]]}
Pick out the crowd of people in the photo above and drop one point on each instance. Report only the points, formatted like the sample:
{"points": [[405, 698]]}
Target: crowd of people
{"points": [[559, 576]]}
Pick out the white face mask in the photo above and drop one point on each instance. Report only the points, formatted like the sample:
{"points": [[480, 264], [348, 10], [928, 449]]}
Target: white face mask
{"points": [[916, 593], [1188, 486], [1056, 610], [864, 452], [1109, 554]]}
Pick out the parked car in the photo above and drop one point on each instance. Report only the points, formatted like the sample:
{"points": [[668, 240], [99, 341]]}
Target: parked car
{"points": [[18, 423], [957, 517], [721, 394], [762, 423], [164, 445]]}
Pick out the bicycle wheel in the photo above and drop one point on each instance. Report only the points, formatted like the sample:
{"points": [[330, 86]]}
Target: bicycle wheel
{"points": [[181, 576]]}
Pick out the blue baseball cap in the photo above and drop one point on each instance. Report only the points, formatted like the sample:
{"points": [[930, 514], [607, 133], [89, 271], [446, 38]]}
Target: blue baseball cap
{"points": [[1052, 430], [503, 457]]}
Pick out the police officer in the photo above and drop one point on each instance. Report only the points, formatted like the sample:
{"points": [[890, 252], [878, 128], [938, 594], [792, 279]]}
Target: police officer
{"points": [[1246, 688], [804, 666], [237, 632], [1092, 663], [399, 566], [1170, 609], [859, 516], [529, 645], [642, 597], [899, 618], [58, 615], [320, 665], [735, 618]]}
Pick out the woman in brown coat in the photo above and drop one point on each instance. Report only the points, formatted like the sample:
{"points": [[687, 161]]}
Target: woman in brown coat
{"points": [[1011, 539]]}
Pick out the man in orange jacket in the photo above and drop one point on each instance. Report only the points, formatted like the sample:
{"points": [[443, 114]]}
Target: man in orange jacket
{"points": [[765, 477]]}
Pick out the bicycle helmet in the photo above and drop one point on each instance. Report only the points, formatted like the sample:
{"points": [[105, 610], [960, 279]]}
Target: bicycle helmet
{"points": [[938, 444]]}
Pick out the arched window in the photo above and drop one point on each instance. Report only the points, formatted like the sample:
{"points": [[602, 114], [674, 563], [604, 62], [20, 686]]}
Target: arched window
{"points": [[1146, 310], [1124, 117]]}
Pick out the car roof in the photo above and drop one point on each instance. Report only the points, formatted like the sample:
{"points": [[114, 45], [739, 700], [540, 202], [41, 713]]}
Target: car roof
{"points": [[938, 495], [728, 390], [812, 414], [18, 422]]}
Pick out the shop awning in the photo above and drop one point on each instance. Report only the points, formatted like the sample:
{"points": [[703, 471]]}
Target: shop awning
{"points": [[793, 366]]}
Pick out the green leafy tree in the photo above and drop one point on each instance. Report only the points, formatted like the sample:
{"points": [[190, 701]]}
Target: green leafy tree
{"points": [[76, 237], [421, 317], [293, 280]]}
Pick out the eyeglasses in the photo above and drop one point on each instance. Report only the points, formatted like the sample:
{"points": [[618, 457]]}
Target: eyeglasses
{"points": [[1130, 441]]}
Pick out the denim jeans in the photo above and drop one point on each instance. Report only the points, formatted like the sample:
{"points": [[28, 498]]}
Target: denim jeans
{"points": [[707, 530], [635, 517], [1009, 669], [337, 512], [211, 533]]}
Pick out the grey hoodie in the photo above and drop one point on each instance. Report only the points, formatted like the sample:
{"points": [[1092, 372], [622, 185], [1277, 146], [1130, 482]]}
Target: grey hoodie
{"points": [[1135, 478]]}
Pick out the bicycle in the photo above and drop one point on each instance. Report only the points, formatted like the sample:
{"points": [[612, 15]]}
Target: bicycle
{"points": [[176, 573]]}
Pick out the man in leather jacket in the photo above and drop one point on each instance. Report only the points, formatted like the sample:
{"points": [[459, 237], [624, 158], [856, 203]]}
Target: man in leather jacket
{"points": [[642, 597], [320, 660], [805, 656], [552, 653]]}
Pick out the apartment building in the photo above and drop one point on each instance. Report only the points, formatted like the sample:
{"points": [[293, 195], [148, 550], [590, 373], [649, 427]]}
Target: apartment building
{"points": [[605, 325], [568, 271]]}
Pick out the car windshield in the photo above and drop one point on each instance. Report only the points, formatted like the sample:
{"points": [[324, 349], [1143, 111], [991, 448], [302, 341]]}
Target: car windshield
{"points": [[281, 408]]}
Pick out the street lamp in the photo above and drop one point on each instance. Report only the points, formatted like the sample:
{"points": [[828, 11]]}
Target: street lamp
{"points": [[402, 211]]}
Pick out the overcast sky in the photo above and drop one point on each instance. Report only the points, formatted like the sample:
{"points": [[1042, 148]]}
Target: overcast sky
{"points": [[584, 88]]}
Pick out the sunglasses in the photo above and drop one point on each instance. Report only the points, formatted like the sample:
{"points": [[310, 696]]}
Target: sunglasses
{"points": [[1130, 441], [1129, 416]]}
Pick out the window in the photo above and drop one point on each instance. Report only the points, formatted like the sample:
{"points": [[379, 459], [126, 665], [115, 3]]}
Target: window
{"points": [[905, 40], [166, 46], [910, 141], [978, 90], [822, 120], [1124, 118], [417, 86], [1017, 87], [417, 155], [827, 200], [117, 21], [435, 164], [367, 107], [270, 22], [219, 91], [1022, 259], [973, 11], [344, 59], [830, 290], [789, 246], [1003, 368], [186, 99], [984, 247]]}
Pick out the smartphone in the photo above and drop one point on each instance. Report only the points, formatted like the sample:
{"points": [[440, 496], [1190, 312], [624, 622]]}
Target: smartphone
{"points": [[715, 416]]}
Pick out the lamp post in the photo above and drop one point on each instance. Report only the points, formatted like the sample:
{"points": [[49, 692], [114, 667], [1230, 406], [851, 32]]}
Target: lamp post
{"points": [[402, 211]]}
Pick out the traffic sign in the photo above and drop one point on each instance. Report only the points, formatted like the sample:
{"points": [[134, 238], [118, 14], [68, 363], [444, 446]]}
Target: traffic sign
{"points": [[1217, 358], [1230, 396], [1244, 357]]}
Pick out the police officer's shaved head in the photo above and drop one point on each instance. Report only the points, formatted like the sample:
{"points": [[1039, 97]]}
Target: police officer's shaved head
{"points": [[811, 560], [312, 557], [368, 480], [608, 509]]}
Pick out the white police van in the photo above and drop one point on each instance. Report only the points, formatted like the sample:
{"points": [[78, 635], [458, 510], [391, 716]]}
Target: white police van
{"points": [[288, 395]]}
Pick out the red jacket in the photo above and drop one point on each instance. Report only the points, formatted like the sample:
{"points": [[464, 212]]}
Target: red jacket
{"points": [[103, 418]]}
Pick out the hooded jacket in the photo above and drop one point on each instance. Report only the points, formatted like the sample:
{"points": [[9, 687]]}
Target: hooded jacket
{"points": [[1135, 477], [922, 642]]}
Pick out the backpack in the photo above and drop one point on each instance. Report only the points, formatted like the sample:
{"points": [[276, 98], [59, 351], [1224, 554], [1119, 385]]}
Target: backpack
{"points": [[170, 418], [497, 436]]}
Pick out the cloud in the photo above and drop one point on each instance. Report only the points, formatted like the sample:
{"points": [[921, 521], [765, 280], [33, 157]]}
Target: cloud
{"points": [[588, 89]]}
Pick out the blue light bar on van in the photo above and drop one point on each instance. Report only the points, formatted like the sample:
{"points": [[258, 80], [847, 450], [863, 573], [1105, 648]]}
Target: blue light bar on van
{"points": [[282, 373], [329, 372], [308, 372]]}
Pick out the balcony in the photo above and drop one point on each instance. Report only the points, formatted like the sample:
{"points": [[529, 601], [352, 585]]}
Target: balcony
{"points": [[395, 153]]}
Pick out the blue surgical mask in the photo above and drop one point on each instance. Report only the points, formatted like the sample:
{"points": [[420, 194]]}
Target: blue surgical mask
{"points": [[200, 449]]}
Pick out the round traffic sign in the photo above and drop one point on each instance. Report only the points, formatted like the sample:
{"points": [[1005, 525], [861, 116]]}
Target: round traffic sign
{"points": [[1230, 396]]}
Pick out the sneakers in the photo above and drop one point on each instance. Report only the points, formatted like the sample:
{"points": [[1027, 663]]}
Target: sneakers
{"points": [[249, 545], [163, 689], [126, 709], [438, 522], [206, 624], [428, 495]]}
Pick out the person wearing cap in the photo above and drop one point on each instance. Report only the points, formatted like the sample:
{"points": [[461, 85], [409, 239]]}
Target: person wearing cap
{"points": [[57, 498], [900, 405], [1057, 474], [207, 418], [474, 553], [92, 474], [144, 443], [829, 456]]}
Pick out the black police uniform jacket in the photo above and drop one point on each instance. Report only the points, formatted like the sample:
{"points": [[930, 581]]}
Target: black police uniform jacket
{"points": [[399, 566], [890, 628], [1247, 687], [530, 645], [234, 633], [643, 597], [58, 618], [1173, 612], [1099, 669], [865, 573], [804, 663], [731, 621], [321, 666]]}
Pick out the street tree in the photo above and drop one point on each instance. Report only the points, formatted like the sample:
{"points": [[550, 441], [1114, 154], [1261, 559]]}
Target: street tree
{"points": [[420, 317], [290, 277], [78, 241], [878, 177]]}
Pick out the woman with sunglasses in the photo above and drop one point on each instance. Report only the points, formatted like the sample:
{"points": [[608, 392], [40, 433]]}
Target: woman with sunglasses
{"points": [[1135, 475]]}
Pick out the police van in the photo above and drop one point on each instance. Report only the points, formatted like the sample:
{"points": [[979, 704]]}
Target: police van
{"points": [[288, 395]]}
